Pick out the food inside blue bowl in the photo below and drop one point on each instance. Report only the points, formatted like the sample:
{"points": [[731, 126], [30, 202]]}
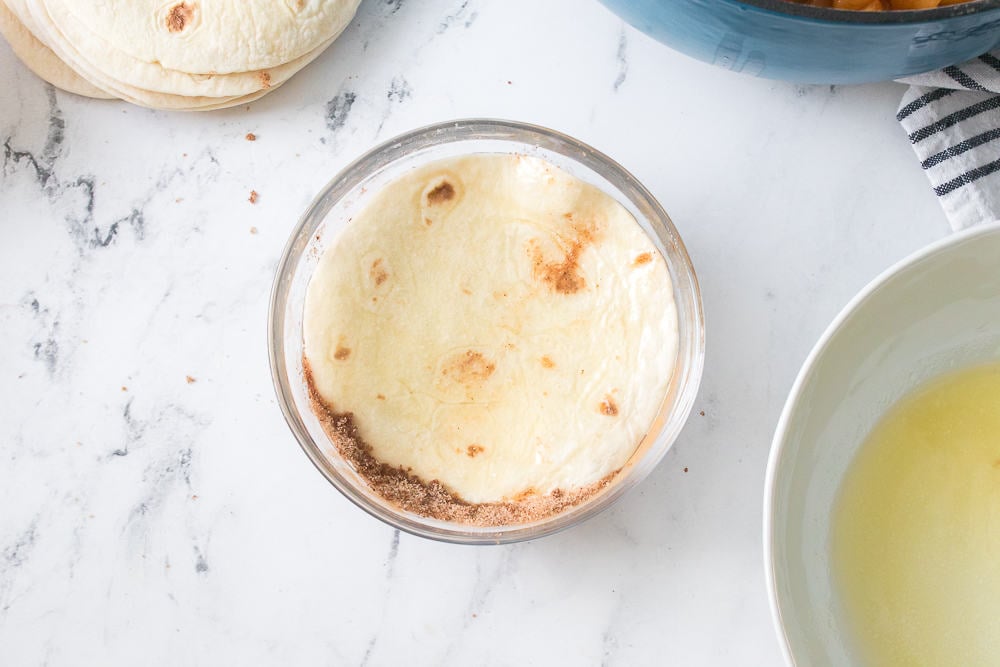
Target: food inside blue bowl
{"points": [[879, 5], [820, 41]]}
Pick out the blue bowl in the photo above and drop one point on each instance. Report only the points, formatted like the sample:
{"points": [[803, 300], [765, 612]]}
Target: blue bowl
{"points": [[782, 40]]}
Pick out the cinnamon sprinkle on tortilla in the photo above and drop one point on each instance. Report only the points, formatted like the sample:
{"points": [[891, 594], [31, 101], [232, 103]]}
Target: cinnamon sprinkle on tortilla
{"points": [[430, 498]]}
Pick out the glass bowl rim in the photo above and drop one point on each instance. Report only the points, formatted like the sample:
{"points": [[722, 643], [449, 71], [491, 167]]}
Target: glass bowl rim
{"points": [[425, 138]]}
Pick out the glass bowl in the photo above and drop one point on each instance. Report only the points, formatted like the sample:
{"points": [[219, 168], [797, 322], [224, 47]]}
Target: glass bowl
{"points": [[351, 190]]}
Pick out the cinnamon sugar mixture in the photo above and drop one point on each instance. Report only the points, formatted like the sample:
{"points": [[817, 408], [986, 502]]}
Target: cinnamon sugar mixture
{"points": [[432, 498]]}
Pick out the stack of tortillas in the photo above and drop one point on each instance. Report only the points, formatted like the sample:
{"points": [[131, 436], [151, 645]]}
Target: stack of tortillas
{"points": [[179, 54]]}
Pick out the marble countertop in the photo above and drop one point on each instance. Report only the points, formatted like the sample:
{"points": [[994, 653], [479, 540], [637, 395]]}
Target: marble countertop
{"points": [[154, 507]]}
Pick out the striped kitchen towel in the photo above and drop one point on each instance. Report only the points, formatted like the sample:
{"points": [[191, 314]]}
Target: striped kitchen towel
{"points": [[952, 117]]}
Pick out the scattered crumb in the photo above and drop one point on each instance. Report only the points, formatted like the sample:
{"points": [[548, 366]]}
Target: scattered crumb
{"points": [[179, 200], [253, 230], [473, 616], [702, 413], [509, 82], [194, 497], [189, 379], [253, 197], [685, 469], [184, 154], [124, 388], [251, 136]]}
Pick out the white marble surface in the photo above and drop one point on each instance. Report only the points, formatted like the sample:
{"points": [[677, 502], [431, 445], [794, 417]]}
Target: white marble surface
{"points": [[149, 519]]}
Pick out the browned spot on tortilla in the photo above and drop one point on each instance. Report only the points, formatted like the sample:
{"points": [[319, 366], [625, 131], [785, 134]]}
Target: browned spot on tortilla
{"points": [[179, 16], [609, 407], [548, 363], [563, 275], [996, 464], [527, 493], [472, 451], [378, 274], [428, 222], [341, 352], [644, 258], [469, 367], [445, 191], [265, 79], [466, 290], [380, 397]]}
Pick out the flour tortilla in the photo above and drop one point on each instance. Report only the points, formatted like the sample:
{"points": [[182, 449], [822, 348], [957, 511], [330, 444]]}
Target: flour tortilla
{"points": [[214, 36], [41, 60], [138, 96], [118, 66]]}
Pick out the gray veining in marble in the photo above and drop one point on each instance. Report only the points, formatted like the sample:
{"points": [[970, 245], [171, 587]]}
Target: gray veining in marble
{"points": [[154, 508]]}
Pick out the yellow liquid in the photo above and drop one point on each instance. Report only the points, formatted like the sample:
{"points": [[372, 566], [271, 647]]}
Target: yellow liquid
{"points": [[916, 533]]}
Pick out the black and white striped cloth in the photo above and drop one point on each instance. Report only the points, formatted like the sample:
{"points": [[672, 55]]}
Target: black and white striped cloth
{"points": [[952, 117]]}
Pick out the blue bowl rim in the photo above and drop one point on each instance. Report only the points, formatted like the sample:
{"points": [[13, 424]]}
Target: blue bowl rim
{"points": [[887, 17]]}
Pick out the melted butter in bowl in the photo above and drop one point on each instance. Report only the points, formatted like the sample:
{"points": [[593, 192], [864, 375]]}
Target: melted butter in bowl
{"points": [[489, 340]]}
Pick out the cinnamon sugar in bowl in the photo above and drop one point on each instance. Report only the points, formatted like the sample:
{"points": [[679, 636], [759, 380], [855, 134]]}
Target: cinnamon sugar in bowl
{"points": [[485, 331]]}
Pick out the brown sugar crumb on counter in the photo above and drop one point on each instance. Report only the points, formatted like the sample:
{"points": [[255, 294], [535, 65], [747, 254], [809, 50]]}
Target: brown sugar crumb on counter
{"points": [[644, 258], [702, 413], [609, 407], [441, 193], [472, 451], [548, 363], [251, 136], [189, 379], [685, 469], [253, 197]]}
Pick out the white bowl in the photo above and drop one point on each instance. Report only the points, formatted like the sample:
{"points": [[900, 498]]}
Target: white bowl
{"points": [[935, 311]]}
